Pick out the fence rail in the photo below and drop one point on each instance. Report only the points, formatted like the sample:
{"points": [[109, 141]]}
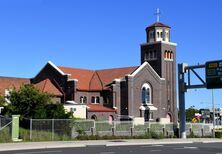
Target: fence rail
{"points": [[58, 129]]}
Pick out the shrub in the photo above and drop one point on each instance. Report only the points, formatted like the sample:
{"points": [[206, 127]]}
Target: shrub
{"points": [[218, 134], [155, 135]]}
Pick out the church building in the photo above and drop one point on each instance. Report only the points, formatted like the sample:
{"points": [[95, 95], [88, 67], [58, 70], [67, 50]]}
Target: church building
{"points": [[147, 91]]}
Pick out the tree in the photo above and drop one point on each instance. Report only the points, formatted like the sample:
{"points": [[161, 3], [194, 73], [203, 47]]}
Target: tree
{"points": [[29, 102], [190, 113], [2, 101]]}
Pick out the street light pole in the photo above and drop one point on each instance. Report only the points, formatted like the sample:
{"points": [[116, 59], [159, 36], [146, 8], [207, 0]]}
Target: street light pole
{"points": [[213, 113]]}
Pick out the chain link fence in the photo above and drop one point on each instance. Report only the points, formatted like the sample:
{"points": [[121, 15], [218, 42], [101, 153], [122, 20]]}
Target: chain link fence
{"points": [[5, 129], [67, 129]]}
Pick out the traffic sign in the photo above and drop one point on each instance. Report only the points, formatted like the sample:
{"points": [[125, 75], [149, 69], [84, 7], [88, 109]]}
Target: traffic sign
{"points": [[214, 74]]}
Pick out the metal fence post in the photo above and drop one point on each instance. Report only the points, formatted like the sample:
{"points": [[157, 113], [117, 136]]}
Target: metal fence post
{"points": [[53, 129], [30, 129]]}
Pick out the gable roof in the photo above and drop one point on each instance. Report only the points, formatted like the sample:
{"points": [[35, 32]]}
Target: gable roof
{"points": [[157, 24], [96, 80], [48, 87], [11, 82]]}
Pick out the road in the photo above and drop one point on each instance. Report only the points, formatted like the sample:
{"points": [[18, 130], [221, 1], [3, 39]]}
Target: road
{"points": [[195, 148]]}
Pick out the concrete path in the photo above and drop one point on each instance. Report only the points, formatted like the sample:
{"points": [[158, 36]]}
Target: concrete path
{"points": [[108, 143]]}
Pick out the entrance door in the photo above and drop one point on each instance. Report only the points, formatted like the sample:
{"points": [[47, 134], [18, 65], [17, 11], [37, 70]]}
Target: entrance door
{"points": [[146, 115]]}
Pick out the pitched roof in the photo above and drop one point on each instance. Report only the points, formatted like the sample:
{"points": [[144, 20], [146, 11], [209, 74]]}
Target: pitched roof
{"points": [[47, 86], [108, 75], [11, 82], [99, 108], [96, 79], [84, 76], [158, 24]]}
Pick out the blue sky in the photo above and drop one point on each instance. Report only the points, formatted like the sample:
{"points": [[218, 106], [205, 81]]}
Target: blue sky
{"points": [[97, 34]]}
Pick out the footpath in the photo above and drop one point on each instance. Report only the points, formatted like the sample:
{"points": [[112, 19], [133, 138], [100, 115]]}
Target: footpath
{"points": [[72, 144]]}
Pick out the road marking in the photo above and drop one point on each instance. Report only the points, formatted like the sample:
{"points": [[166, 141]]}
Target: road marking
{"points": [[157, 145], [151, 146], [107, 152], [155, 150], [190, 147], [39, 152], [185, 148]]}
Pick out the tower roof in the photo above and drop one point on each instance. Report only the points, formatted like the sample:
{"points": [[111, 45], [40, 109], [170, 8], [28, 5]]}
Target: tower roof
{"points": [[157, 24]]}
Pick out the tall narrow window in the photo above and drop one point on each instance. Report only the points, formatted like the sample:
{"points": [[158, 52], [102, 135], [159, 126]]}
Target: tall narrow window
{"points": [[85, 100], [146, 94], [93, 99], [81, 100], [97, 99], [158, 34], [171, 55], [143, 95], [168, 55], [165, 54]]}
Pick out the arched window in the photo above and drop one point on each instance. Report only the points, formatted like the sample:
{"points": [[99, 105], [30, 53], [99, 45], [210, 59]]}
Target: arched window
{"points": [[93, 99], [165, 54], [168, 55], [85, 100], [161, 34], [167, 35], [143, 95], [93, 117], [158, 34], [81, 100], [171, 55], [146, 94], [97, 99]]}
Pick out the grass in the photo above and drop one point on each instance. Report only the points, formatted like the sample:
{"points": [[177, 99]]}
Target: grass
{"points": [[48, 136], [5, 135]]}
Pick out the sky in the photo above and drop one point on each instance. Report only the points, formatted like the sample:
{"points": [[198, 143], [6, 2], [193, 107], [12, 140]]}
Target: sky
{"points": [[98, 34]]}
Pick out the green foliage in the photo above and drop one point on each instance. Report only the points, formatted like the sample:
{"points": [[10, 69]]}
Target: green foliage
{"points": [[190, 113], [29, 102], [2, 101], [218, 134], [5, 135], [155, 135], [192, 135]]}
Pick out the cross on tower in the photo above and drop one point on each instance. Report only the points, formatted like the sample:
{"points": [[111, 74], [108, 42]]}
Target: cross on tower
{"points": [[157, 15]]}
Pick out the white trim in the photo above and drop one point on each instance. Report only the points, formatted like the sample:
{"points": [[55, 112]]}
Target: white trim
{"points": [[147, 87], [164, 42], [76, 80], [59, 70], [141, 67], [54, 66], [151, 108], [117, 80]]}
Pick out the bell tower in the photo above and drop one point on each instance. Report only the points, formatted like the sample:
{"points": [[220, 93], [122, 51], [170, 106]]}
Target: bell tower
{"points": [[160, 53]]}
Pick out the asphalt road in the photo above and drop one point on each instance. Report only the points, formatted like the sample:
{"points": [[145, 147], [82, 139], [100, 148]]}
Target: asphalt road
{"points": [[195, 148]]}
